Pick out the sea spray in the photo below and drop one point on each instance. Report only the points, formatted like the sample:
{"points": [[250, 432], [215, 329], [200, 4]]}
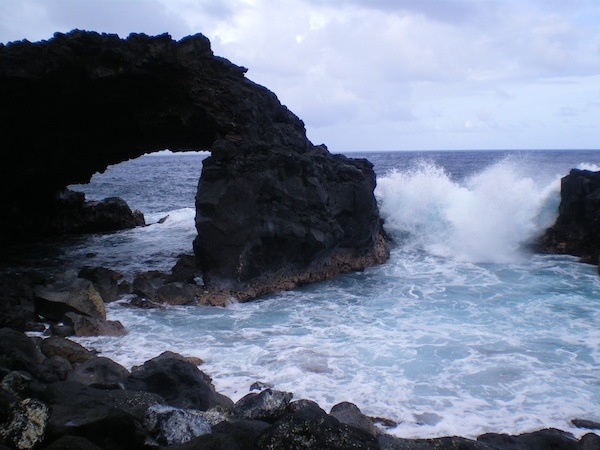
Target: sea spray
{"points": [[485, 218]]}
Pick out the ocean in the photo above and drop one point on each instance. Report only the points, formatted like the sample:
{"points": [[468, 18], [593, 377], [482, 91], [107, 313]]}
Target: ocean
{"points": [[463, 331]]}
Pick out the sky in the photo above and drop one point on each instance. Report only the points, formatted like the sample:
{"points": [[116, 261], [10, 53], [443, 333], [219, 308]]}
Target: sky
{"points": [[384, 74]]}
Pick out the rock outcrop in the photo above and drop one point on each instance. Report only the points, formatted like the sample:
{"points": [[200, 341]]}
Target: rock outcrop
{"points": [[273, 210], [577, 229]]}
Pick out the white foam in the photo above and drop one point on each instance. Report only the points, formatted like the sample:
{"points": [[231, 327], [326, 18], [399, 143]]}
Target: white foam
{"points": [[487, 218]]}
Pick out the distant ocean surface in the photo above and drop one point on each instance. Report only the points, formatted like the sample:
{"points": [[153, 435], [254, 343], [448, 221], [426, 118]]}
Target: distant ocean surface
{"points": [[462, 332]]}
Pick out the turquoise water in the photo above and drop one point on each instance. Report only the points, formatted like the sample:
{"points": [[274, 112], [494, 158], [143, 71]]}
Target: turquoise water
{"points": [[462, 332]]}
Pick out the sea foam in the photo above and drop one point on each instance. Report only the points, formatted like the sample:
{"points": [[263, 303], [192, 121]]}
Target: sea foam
{"points": [[485, 218]]}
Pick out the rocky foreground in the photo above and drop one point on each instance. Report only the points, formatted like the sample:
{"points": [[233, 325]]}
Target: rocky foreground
{"points": [[57, 394]]}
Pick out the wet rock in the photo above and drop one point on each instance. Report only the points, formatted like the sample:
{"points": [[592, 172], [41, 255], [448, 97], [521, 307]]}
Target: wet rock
{"points": [[105, 281], [168, 425], [588, 424], [146, 284], [259, 386], [538, 440], [143, 303], [26, 425], [100, 372], [269, 405], [90, 326], [69, 294], [306, 409], [61, 330], [75, 353], [351, 415], [577, 228], [589, 441], [185, 269], [178, 381], [178, 293]]}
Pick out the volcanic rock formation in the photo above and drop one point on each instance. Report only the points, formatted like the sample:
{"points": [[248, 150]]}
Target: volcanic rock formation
{"points": [[577, 229], [271, 206]]}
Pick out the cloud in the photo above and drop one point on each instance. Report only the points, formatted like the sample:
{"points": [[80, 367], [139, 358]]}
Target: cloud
{"points": [[390, 74]]}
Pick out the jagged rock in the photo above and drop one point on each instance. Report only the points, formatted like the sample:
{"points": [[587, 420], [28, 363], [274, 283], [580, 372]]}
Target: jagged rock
{"points": [[90, 326], [538, 440], [110, 214], [278, 217], [178, 381], [168, 425], [350, 414], [69, 294], [100, 372], [259, 386], [72, 351], [146, 284], [273, 210], [577, 228], [105, 281], [18, 352], [178, 293], [228, 435], [185, 269], [26, 425], [387, 442], [269, 405], [108, 418], [291, 433]]}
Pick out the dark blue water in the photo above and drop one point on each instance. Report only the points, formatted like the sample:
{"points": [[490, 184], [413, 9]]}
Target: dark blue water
{"points": [[462, 332]]}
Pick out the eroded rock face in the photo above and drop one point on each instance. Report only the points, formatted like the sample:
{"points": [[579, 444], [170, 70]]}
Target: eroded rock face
{"points": [[281, 216], [577, 229], [273, 210]]}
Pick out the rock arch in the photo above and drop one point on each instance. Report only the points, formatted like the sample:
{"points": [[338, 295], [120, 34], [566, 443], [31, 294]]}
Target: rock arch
{"points": [[81, 101]]}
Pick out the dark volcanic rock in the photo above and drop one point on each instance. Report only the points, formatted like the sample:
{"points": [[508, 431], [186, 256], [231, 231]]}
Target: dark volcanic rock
{"points": [[109, 418], [72, 351], [100, 372], [577, 229], [269, 405], [279, 217], [105, 281], [178, 381], [351, 415], [537, 440], [273, 210], [18, 352]]}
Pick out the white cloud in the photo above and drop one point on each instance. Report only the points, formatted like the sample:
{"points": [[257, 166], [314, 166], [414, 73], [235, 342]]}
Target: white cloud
{"points": [[383, 74]]}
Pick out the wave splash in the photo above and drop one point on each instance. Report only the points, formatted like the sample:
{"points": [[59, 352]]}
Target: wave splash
{"points": [[486, 218]]}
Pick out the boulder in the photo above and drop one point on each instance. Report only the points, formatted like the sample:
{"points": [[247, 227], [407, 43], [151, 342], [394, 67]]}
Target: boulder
{"points": [[178, 381], [105, 281], [538, 440], [577, 228], [55, 368], [291, 433], [279, 216], [587, 424], [269, 405], [26, 424], [168, 425], [108, 418], [69, 294], [18, 352], [100, 372], [90, 326], [351, 415], [58, 346]]}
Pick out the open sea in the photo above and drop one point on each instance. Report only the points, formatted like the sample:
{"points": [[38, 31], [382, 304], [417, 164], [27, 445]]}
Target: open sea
{"points": [[463, 331]]}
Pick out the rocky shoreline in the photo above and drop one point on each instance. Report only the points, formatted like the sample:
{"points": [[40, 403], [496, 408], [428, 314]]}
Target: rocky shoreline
{"points": [[57, 394]]}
